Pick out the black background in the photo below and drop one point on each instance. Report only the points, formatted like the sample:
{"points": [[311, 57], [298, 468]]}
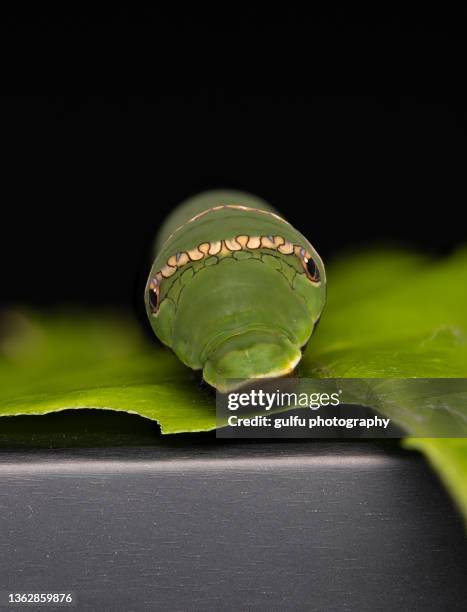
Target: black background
{"points": [[88, 179]]}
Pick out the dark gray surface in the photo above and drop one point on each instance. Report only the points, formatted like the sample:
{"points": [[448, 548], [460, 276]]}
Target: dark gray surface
{"points": [[232, 526]]}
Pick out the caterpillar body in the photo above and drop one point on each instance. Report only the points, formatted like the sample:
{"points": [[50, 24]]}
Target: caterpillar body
{"points": [[234, 289]]}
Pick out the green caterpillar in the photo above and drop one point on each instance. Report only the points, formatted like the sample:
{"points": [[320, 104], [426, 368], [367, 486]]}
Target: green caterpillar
{"points": [[234, 289]]}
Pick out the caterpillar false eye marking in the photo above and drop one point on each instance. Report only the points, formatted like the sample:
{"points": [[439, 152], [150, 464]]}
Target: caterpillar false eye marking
{"points": [[311, 268], [153, 296], [234, 289]]}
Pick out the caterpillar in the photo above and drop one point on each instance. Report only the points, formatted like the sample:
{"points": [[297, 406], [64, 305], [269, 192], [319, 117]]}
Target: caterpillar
{"points": [[234, 289]]}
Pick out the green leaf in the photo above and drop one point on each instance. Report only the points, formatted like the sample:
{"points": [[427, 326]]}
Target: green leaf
{"points": [[389, 315], [71, 360]]}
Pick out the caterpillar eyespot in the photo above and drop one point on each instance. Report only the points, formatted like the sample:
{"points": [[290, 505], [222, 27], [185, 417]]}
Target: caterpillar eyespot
{"points": [[153, 297], [229, 290], [311, 269]]}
